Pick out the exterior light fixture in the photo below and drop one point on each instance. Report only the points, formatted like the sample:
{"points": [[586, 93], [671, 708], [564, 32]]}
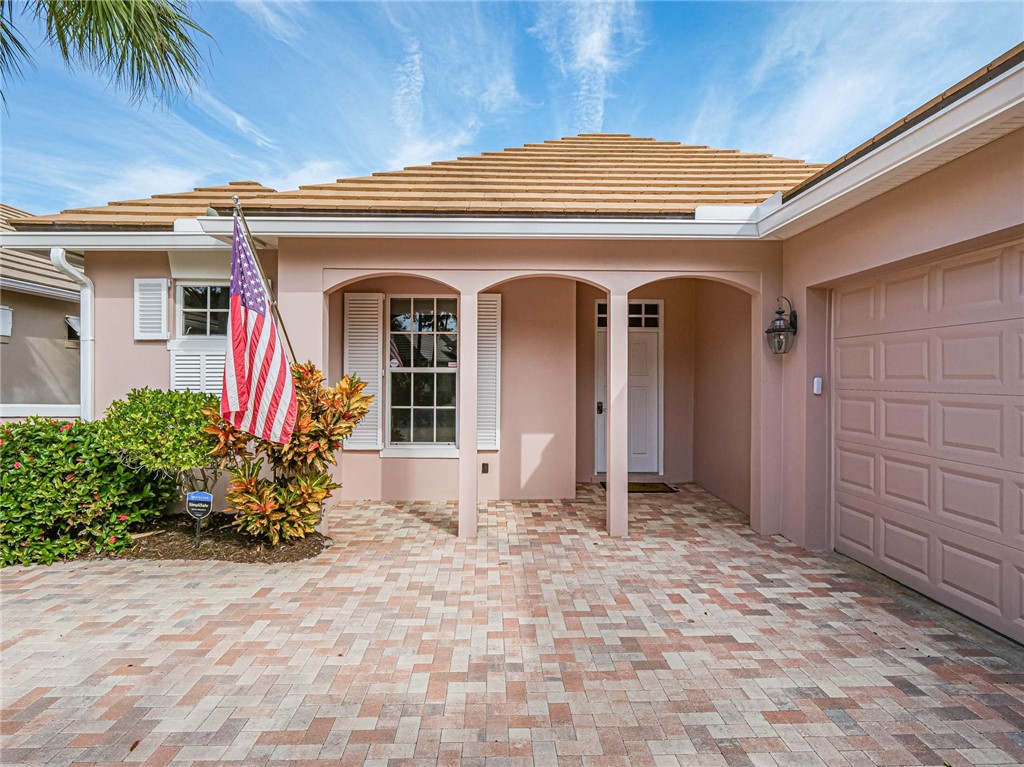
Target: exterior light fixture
{"points": [[783, 328]]}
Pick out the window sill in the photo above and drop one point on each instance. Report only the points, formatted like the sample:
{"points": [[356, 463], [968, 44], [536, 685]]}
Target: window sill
{"points": [[199, 344], [421, 451], [46, 411]]}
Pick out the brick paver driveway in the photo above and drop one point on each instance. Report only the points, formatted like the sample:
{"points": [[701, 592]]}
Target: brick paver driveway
{"points": [[543, 642]]}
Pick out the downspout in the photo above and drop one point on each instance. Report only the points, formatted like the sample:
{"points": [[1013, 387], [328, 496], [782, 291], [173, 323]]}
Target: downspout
{"points": [[86, 310]]}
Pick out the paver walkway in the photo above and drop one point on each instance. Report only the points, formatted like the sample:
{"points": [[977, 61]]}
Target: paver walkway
{"points": [[543, 642]]}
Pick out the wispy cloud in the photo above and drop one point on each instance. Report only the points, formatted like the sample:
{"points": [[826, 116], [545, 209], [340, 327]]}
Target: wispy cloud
{"points": [[500, 93], [82, 183], [588, 42], [124, 181], [282, 19], [416, 146], [228, 117], [827, 77], [407, 102], [311, 172], [306, 92]]}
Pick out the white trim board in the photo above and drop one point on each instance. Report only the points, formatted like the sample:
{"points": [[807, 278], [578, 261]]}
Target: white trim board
{"points": [[35, 289], [46, 411]]}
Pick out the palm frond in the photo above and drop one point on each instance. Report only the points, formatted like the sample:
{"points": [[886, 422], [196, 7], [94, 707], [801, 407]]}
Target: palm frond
{"points": [[13, 52], [146, 46]]}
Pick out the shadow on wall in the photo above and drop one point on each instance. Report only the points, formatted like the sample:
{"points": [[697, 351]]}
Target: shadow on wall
{"points": [[722, 393], [45, 385]]}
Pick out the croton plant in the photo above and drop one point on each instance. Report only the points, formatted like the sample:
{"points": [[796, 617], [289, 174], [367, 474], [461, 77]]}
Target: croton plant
{"points": [[277, 491]]}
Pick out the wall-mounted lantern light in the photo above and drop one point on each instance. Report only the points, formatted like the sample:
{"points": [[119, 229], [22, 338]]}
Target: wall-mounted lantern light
{"points": [[783, 328]]}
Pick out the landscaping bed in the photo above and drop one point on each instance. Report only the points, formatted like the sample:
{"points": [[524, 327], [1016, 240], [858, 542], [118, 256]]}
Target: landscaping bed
{"points": [[174, 537]]}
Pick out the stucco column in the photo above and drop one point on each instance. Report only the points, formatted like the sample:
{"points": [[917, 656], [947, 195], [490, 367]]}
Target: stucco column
{"points": [[766, 455], [468, 463], [617, 433]]}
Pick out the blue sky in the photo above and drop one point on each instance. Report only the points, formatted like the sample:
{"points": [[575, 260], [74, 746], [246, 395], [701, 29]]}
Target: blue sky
{"points": [[305, 92]]}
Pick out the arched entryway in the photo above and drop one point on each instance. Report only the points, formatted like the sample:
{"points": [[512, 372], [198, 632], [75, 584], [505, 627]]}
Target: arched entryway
{"points": [[399, 333], [690, 385], [529, 345]]}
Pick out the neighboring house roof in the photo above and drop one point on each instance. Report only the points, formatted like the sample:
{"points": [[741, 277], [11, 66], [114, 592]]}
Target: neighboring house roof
{"points": [[27, 272], [972, 82], [158, 211], [606, 174]]}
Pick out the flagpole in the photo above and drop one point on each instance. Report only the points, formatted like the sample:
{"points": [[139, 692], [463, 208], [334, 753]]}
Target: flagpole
{"points": [[263, 276]]}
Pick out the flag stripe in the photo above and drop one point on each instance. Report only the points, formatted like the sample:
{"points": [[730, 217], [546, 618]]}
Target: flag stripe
{"points": [[259, 340], [258, 395], [269, 373]]}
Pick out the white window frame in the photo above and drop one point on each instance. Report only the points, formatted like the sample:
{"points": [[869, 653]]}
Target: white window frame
{"points": [[417, 449], [179, 307]]}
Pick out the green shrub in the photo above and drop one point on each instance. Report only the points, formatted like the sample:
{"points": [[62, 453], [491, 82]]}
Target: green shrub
{"points": [[288, 504], [164, 431], [63, 490]]}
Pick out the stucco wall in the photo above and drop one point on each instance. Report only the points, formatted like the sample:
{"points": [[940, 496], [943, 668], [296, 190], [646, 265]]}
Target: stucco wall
{"points": [[538, 389], [122, 363], [722, 392], [537, 455], [974, 200], [678, 374], [37, 366]]}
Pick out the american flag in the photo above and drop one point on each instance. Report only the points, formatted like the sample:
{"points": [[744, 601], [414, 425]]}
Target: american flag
{"points": [[259, 394]]}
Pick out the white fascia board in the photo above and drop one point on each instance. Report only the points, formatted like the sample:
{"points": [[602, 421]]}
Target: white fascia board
{"points": [[80, 242], [485, 228], [35, 289], [998, 102]]}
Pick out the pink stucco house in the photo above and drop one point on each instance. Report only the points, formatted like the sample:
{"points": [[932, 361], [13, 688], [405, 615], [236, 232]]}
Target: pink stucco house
{"points": [[594, 308]]}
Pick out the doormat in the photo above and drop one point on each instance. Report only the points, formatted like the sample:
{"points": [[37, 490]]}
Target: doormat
{"points": [[648, 487]]}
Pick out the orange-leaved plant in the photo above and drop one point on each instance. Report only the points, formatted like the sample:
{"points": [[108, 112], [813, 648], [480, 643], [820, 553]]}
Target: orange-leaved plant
{"points": [[287, 499]]}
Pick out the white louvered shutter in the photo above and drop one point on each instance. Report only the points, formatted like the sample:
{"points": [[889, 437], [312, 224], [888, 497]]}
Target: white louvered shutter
{"points": [[186, 371], [488, 373], [364, 356], [213, 372], [197, 370], [151, 309]]}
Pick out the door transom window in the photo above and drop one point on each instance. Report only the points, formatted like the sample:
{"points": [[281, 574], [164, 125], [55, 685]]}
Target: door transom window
{"points": [[641, 315]]}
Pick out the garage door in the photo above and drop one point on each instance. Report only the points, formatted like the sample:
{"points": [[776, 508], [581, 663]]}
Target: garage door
{"points": [[928, 415]]}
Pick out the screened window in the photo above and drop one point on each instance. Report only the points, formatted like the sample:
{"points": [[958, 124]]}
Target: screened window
{"points": [[203, 310], [641, 315], [422, 370]]}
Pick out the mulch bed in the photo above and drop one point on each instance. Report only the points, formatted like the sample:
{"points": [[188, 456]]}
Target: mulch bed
{"points": [[174, 537]]}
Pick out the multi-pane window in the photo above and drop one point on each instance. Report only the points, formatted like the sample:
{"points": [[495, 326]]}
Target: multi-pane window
{"points": [[422, 369], [640, 315], [203, 310]]}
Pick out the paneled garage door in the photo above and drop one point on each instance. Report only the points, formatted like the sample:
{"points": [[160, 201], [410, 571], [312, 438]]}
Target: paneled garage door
{"points": [[928, 413]]}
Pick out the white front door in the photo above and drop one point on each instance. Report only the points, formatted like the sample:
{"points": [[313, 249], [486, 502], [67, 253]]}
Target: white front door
{"points": [[644, 401]]}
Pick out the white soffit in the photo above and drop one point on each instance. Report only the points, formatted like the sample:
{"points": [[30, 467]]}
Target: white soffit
{"points": [[112, 240], [268, 229], [989, 113], [200, 264]]}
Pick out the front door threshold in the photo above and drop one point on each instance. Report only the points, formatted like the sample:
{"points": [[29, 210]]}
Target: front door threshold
{"points": [[632, 477]]}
